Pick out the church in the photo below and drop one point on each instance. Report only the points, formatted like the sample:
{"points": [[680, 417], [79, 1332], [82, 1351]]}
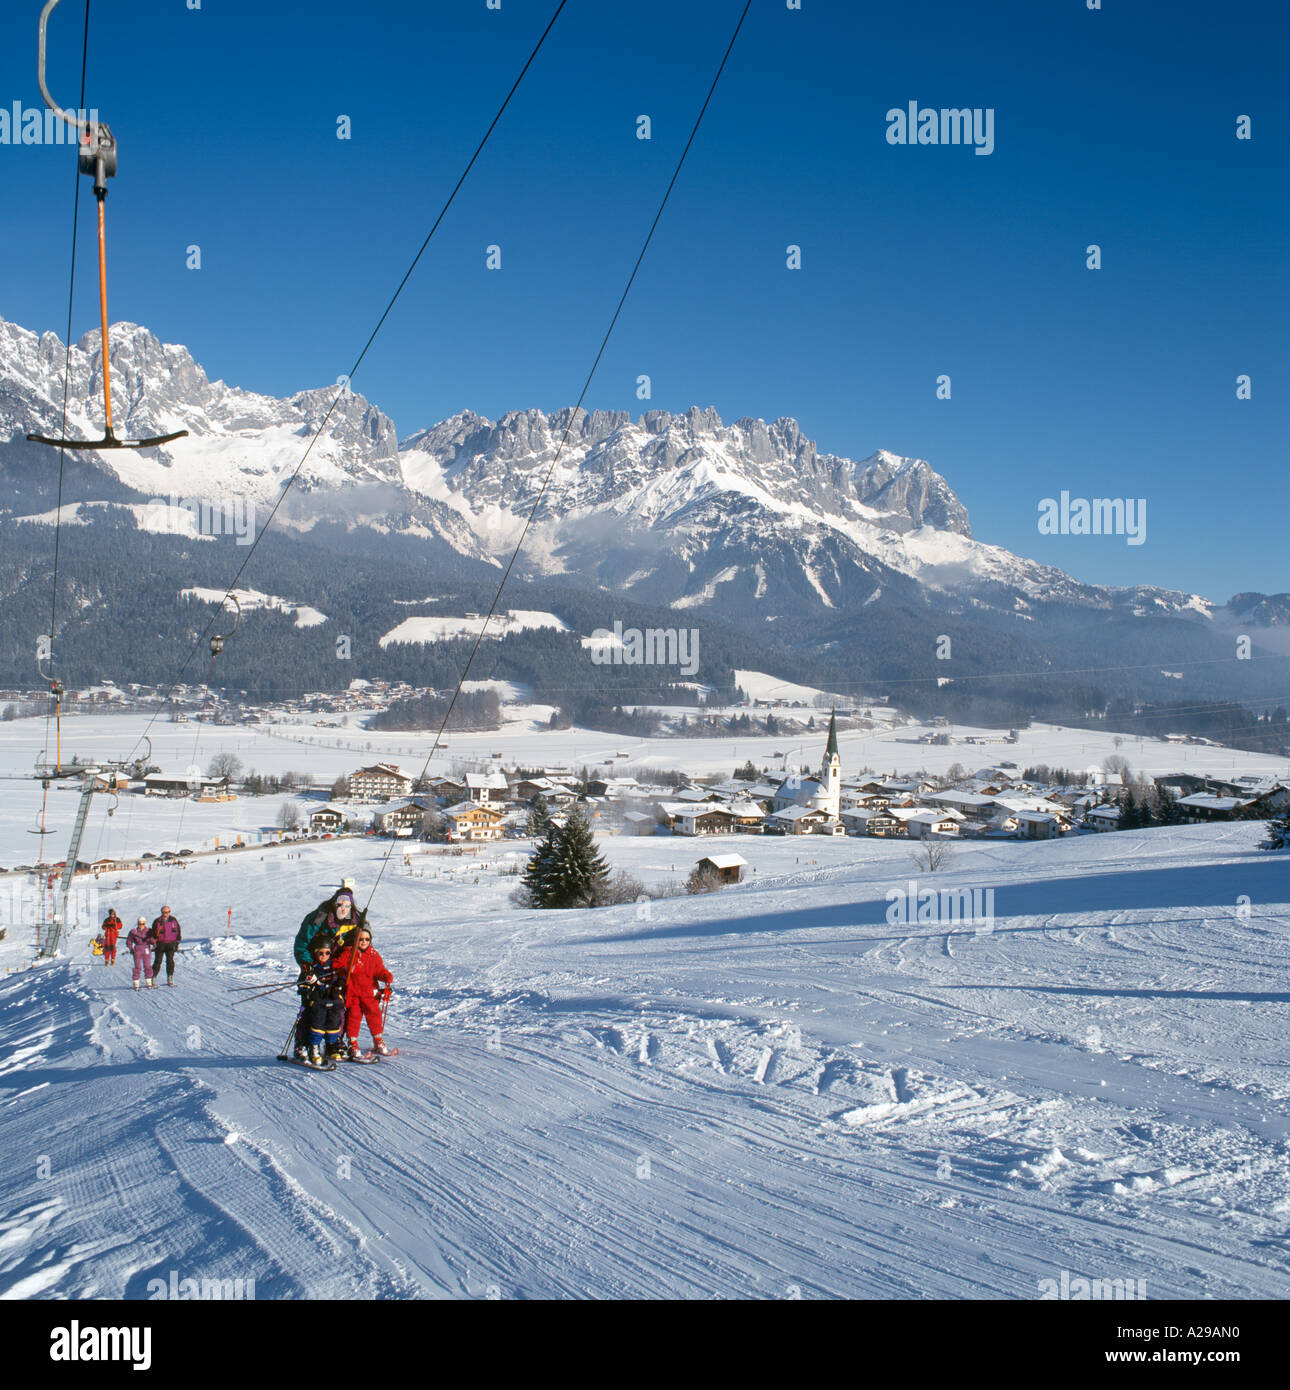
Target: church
{"points": [[806, 805]]}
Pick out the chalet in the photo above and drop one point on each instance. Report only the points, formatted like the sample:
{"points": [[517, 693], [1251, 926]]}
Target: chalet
{"points": [[530, 788], [803, 820], [448, 790], [380, 782], [698, 794], [727, 867], [486, 788], [1205, 807], [615, 787], [748, 815], [469, 820], [1037, 825], [1103, 818], [639, 823], [971, 804], [901, 788], [326, 819], [923, 825], [398, 818], [874, 820], [704, 820]]}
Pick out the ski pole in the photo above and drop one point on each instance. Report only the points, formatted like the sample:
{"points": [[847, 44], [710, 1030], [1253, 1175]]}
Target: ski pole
{"points": [[247, 998], [282, 1056]]}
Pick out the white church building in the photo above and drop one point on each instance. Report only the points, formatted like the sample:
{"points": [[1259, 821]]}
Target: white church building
{"points": [[811, 806]]}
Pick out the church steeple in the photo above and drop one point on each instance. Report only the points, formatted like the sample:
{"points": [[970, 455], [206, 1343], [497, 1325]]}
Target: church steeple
{"points": [[831, 771]]}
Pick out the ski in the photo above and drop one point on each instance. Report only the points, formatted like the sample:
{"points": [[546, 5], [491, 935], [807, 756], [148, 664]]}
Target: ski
{"points": [[296, 1062]]}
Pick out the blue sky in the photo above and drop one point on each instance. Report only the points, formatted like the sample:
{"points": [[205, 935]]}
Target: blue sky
{"points": [[1114, 127]]}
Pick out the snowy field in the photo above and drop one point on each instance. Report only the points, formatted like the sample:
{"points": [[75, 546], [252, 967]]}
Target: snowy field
{"points": [[327, 753], [768, 1092]]}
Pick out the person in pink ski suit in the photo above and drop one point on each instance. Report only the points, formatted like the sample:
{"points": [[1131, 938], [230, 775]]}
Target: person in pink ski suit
{"points": [[139, 944]]}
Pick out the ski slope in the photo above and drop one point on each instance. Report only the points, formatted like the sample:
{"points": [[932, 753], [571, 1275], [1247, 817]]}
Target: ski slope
{"points": [[769, 1092]]}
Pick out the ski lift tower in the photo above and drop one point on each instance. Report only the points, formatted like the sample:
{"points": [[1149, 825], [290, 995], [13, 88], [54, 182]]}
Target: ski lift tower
{"points": [[89, 773]]}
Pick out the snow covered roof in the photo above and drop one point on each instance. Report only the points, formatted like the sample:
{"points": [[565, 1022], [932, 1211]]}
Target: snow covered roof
{"points": [[1036, 817], [795, 812], [969, 799], [490, 781], [724, 861], [472, 808], [1202, 801]]}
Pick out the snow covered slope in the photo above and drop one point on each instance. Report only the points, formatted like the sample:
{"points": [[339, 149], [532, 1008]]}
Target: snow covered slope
{"points": [[744, 520], [241, 444], [769, 1092], [685, 509]]}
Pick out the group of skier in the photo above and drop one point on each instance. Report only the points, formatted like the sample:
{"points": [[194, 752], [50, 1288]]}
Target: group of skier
{"points": [[149, 945], [343, 981]]}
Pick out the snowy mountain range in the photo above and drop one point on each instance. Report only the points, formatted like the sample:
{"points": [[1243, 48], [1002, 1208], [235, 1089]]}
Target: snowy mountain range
{"points": [[746, 521]]}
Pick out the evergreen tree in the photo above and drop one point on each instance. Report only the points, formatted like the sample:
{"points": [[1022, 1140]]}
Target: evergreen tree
{"points": [[1129, 817], [1168, 811], [577, 870], [1278, 830], [537, 872], [539, 821]]}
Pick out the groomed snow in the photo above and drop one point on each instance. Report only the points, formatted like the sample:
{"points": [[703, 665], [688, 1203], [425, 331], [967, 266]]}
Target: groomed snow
{"points": [[767, 1092]]}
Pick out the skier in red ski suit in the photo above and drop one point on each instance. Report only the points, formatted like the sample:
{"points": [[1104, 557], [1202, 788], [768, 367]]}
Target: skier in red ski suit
{"points": [[362, 998], [111, 930]]}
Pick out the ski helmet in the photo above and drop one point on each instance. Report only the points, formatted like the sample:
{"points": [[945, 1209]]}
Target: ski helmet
{"points": [[321, 939]]}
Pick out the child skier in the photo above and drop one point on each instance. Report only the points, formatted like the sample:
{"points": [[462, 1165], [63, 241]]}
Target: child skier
{"points": [[321, 992], [111, 930], [139, 943], [363, 998]]}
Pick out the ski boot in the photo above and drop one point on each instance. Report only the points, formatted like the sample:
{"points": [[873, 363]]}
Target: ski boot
{"points": [[379, 1047], [151, 982], [315, 1058], [136, 984], [354, 1053]]}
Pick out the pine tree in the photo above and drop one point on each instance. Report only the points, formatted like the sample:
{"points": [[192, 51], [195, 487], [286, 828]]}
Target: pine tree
{"points": [[1278, 830], [1129, 818], [577, 869], [539, 821], [537, 872]]}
